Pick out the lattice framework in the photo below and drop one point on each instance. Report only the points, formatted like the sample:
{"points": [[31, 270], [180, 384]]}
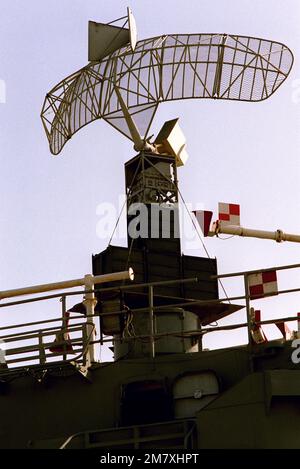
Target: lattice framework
{"points": [[164, 68]]}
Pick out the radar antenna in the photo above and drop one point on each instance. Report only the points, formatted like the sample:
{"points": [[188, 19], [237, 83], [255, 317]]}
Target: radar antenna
{"points": [[125, 80]]}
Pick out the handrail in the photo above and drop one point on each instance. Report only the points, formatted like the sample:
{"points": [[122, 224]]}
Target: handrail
{"points": [[70, 438], [89, 326], [256, 271], [47, 331], [198, 332], [40, 334], [88, 281], [100, 290], [42, 347], [186, 435], [91, 279]]}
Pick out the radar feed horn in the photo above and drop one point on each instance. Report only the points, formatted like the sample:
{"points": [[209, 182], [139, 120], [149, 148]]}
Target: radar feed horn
{"points": [[104, 39]]}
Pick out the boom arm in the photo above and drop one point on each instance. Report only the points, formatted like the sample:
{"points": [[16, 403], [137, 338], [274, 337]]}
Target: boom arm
{"points": [[218, 227]]}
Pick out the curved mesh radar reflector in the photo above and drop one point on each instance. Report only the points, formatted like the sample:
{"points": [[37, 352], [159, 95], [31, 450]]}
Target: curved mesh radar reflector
{"points": [[161, 69]]}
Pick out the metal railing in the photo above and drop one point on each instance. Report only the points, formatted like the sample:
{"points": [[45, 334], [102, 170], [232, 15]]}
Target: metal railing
{"points": [[250, 323], [40, 348], [39, 351], [181, 431]]}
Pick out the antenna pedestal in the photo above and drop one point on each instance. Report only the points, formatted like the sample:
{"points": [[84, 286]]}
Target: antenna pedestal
{"points": [[152, 201], [154, 252]]}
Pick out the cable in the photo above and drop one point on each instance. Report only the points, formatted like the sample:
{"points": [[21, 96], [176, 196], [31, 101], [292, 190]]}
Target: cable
{"points": [[125, 201], [117, 222], [199, 236], [225, 239], [191, 218]]}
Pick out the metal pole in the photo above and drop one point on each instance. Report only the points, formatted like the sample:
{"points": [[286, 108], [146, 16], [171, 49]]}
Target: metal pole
{"points": [[248, 310], [236, 230], [151, 323], [125, 275], [120, 287], [90, 303], [256, 271], [139, 143], [42, 356], [63, 307]]}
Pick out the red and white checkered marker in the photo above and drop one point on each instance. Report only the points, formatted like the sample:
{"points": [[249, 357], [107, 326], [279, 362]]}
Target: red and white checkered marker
{"points": [[203, 218], [262, 283], [229, 214], [258, 335]]}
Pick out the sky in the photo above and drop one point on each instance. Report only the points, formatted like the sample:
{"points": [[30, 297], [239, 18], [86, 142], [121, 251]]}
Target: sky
{"points": [[246, 153]]}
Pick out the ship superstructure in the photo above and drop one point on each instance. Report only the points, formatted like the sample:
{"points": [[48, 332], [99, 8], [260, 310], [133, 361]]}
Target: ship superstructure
{"points": [[150, 301]]}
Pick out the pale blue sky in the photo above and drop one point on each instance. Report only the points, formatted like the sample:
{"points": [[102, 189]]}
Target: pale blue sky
{"points": [[245, 153]]}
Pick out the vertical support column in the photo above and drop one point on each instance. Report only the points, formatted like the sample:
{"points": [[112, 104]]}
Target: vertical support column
{"points": [[248, 310], [63, 308], [90, 303], [151, 323], [42, 355], [64, 323]]}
